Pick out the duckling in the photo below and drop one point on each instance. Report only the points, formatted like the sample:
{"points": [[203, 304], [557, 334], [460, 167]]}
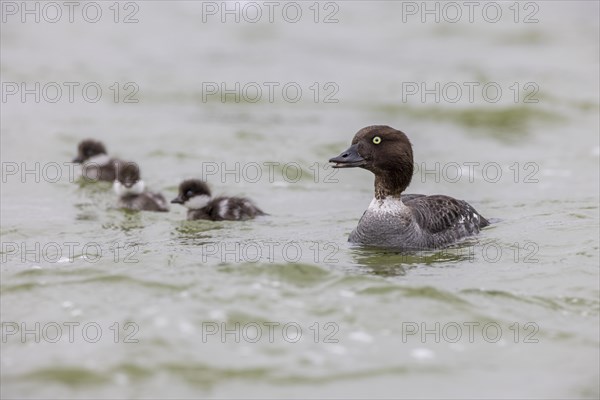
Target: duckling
{"points": [[195, 195], [132, 191]]}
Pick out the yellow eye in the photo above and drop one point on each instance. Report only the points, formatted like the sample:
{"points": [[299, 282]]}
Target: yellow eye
{"points": [[376, 140]]}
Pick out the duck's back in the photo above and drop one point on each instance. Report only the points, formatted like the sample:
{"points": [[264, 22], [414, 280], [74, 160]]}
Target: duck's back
{"points": [[444, 219]]}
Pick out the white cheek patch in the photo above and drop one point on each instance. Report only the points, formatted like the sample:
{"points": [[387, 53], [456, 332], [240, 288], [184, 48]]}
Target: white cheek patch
{"points": [[118, 188], [99, 160], [138, 188], [121, 190], [197, 202]]}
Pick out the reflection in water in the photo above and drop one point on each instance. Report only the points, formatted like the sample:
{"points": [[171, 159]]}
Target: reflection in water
{"points": [[391, 262], [195, 232], [130, 221], [86, 212], [98, 198]]}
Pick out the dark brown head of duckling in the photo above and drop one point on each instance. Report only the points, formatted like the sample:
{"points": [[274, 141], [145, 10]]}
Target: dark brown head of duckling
{"points": [[87, 149], [128, 174], [190, 188]]}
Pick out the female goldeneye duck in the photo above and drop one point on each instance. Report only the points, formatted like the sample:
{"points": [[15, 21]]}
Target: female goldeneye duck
{"points": [[195, 195], [132, 192], [96, 164], [396, 220]]}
